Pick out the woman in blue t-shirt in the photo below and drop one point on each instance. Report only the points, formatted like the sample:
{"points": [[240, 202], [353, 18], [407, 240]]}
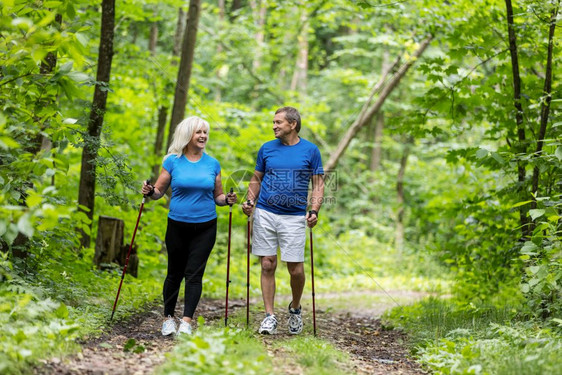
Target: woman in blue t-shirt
{"points": [[195, 179]]}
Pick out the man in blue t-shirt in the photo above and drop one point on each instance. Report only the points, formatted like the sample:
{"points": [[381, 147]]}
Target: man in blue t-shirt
{"points": [[284, 168]]}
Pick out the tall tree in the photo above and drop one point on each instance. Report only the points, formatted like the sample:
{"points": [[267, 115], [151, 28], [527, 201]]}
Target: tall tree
{"points": [[367, 112], [301, 64], [400, 194], [186, 65], [521, 146], [87, 187], [163, 109], [545, 103]]}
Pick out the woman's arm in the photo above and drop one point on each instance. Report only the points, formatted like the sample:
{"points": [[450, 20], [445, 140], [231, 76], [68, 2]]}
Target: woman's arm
{"points": [[160, 187], [220, 198]]}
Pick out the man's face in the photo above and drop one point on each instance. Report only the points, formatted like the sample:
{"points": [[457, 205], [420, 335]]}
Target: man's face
{"points": [[281, 127]]}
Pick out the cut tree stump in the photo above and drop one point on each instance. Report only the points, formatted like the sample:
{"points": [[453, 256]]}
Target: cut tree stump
{"points": [[110, 247]]}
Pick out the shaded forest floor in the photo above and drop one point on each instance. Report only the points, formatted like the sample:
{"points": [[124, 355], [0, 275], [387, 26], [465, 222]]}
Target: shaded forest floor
{"points": [[357, 332]]}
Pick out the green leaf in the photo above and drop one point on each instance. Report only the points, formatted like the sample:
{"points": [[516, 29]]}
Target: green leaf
{"points": [[130, 344], [25, 226], [558, 153], [528, 248], [498, 158], [534, 281], [525, 288], [70, 11], [481, 153], [534, 269], [106, 345], [81, 38], [520, 204], [536, 213]]}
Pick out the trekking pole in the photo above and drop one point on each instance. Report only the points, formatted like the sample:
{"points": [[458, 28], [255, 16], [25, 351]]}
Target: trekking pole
{"points": [[228, 262], [248, 274], [312, 279], [129, 254]]}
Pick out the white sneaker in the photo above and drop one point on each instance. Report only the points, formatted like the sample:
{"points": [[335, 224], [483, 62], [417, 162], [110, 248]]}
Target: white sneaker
{"points": [[268, 325], [185, 327], [295, 320], [169, 326]]}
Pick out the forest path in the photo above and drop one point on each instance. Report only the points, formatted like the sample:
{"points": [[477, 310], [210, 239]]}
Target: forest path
{"points": [[354, 329]]}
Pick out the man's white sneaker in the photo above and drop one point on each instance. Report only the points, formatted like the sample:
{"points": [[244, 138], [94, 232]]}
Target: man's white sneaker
{"points": [[295, 320], [268, 325], [185, 327], [169, 326]]}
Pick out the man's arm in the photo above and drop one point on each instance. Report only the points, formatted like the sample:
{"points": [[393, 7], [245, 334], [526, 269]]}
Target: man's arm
{"points": [[253, 192], [316, 198]]}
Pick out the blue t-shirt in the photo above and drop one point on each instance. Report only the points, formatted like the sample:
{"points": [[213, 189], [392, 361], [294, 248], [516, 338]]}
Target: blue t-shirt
{"points": [[287, 172], [193, 186]]}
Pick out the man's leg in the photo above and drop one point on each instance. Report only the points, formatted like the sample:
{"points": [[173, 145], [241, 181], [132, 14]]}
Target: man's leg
{"points": [[268, 266], [296, 270]]}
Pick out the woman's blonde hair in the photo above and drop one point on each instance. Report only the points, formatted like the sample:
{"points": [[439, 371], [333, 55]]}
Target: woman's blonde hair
{"points": [[183, 134]]}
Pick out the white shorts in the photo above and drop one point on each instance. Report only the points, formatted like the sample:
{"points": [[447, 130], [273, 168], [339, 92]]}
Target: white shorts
{"points": [[288, 232]]}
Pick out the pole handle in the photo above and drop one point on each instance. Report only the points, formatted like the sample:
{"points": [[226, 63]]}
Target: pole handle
{"points": [[148, 183], [230, 192]]}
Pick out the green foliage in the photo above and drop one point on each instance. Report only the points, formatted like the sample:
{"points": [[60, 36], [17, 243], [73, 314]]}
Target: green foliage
{"points": [[316, 356], [217, 351], [450, 339]]}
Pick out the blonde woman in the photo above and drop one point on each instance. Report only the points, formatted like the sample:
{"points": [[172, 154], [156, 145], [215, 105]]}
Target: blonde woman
{"points": [[195, 178]]}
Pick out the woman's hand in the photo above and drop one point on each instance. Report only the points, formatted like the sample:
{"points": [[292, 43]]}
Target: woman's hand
{"points": [[147, 189], [231, 198]]}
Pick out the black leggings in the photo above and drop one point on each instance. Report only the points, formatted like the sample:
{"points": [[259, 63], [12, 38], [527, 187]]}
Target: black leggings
{"points": [[189, 246]]}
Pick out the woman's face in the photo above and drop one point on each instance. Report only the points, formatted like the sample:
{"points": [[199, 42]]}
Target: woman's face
{"points": [[199, 139]]}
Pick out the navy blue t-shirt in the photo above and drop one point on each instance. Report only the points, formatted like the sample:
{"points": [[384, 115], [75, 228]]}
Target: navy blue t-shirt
{"points": [[193, 186], [287, 173]]}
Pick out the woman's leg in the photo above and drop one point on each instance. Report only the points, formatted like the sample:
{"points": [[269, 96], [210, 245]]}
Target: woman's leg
{"points": [[201, 245], [177, 244]]}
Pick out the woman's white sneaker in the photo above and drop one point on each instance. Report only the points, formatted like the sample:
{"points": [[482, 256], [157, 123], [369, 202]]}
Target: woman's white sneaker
{"points": [[169, 326], [185, 327]]}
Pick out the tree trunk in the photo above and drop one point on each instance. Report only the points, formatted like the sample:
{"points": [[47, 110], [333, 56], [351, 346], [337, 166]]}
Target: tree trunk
{"points": [[162, 114], [400, 196], [545, 106], [521, 147], [376, 152], [87, 188], [186, 64], [180, 26], [222, 14], [259, 10], [301, 67], [236, 4], [110, 247], [153, 39], [367, 113]]}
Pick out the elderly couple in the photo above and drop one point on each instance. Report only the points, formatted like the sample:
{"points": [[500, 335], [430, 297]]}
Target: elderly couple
{"points": [[278, 190]]}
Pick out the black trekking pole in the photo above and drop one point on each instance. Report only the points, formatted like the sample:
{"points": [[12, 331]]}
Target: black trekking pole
{"points": [[129, 254], [312, 279], [248, 273], [228, 262]]}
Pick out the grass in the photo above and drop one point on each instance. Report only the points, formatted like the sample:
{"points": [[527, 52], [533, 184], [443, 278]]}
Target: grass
{"points": [[213, 349], [43, 312], [450, 339]]}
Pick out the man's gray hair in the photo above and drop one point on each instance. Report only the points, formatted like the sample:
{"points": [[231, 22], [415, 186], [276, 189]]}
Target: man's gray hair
{"points": [[291, 115]]}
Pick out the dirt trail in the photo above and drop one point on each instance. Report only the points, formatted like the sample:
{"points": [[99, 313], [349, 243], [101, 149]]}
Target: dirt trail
{"points": [[372, 349]]}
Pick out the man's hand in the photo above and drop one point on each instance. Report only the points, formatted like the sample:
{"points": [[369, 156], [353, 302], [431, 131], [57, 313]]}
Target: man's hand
{"points": [[248, 207], [311, 218]]}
